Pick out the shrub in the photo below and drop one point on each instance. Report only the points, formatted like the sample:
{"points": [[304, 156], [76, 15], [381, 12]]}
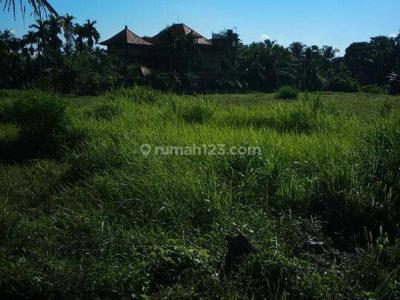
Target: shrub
{"points": [[394, 84], [43, 128], [287, 92], [165, 81], [373, 89], [343, 84], [191, 82], [132, 74], [84, 73], [94, 73], [3, 113]]}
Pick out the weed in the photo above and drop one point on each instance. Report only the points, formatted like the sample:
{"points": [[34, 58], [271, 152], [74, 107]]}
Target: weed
{"points": [[287, 92], [197, 112], [101, 220]]}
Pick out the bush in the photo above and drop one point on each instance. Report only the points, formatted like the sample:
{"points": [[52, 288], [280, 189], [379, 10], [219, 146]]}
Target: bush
{"points": [[43, 128], [94, 73], [131, 74], [287, 92], [394, 84], [165, 81], [343, 84], [191, 82], [373, 89], [84, 73]]}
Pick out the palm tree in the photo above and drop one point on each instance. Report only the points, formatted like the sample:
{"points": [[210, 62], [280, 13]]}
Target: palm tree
{"points": [[91, 33], [41, 33], [80, 34], [5, 38], [297, 49], [329, 53], [8, 38], [397, 40], [30, 39], [68, 28], [53, 41], [38, 6]]}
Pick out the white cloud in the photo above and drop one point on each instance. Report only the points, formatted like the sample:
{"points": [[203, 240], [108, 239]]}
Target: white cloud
{"points": [[264, 37], [12, 31], [393, 35]]}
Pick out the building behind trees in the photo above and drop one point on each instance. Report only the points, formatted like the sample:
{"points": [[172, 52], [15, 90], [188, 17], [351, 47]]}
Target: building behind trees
{"points": [[177, 48]]}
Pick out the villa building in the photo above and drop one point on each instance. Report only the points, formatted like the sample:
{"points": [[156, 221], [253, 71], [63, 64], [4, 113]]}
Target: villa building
{"points": [[176, 48]]}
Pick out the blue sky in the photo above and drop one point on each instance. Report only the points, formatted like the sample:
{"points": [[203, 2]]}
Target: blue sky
{"points": [[335, 22]]}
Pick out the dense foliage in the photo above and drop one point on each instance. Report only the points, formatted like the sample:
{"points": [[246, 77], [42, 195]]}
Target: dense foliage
{"points": [[97, 219], [42, 125], [59, 55], [56, 55]]}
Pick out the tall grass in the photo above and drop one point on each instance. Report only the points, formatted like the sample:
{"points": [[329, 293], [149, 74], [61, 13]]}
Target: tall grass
{"points": [[303, 116], [287, 92], [104, 220], [43, 127]]}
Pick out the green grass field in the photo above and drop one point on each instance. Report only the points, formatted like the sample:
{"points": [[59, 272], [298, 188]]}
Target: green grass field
{"points": [[84, 214]]}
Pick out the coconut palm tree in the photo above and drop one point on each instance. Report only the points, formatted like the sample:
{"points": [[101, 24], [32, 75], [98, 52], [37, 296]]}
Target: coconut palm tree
{"points": [[40, 28], [30, 40], [38, 6], [53, 41], [10, 41], [329, 53], [397, 40], [80, 34], [68, 28], [90, 33], [297, 49]]}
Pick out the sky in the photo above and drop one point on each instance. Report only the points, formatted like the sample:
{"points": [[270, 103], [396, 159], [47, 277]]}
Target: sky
{"points": [[314, 22]]}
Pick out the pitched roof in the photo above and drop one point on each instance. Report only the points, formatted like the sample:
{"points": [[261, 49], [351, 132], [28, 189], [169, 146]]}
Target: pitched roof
{"points": [[182, 29], [125, 37]]}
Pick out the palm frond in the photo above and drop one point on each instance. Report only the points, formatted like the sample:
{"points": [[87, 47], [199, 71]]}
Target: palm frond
{"points": [[38, 6]]}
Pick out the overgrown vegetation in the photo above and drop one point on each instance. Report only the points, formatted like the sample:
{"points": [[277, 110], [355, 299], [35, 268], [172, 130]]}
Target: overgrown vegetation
{"points": [[42, 127], [84, 214], [57, 54], [287, 92]]}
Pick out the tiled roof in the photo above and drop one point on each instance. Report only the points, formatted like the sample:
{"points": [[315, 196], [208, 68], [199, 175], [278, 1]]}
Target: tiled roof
{"points": [[125, 37], [182, 28]]}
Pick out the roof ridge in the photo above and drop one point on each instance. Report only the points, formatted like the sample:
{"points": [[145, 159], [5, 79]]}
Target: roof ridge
{"points": [[126, 33], [126, 36]]}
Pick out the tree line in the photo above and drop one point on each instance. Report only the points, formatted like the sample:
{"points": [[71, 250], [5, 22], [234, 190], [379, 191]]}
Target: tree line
{"points": [[373, 65], [59, 54]]}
